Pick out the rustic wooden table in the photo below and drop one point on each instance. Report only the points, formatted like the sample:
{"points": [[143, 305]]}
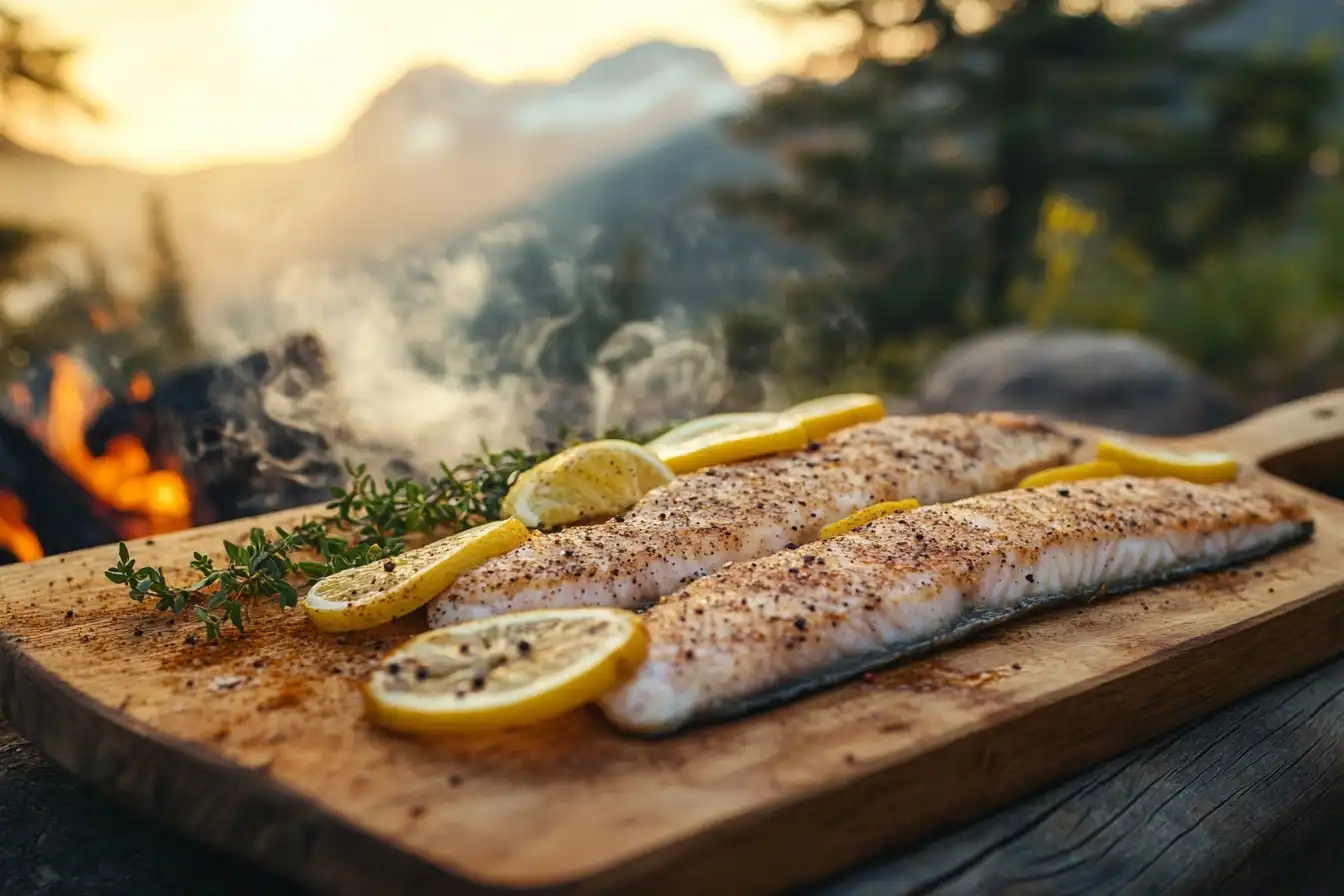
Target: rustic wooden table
{"points": [[1251, 800]]}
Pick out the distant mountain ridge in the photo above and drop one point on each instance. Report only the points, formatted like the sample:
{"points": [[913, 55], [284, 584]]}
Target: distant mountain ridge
{"points": [[435, 153], [438, 155]]}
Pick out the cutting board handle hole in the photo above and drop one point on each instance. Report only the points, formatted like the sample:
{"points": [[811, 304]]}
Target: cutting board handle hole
{"points": [[1301, 441], [1319, 467]]}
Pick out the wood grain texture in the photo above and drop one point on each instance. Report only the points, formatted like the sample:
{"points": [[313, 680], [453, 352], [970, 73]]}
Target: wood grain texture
{"points": [[259, 745], [1283, 833], [1250, 800]]}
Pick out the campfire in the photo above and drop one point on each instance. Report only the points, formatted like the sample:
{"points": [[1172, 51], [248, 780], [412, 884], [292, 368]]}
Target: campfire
{"points": [[82, 466], [148, 497]]}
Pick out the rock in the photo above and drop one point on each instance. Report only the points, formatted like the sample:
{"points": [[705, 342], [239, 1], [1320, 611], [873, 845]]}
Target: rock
{"points": [[1118, 380]]}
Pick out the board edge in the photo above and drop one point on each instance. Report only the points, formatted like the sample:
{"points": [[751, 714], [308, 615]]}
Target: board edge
{"points": [[347, 851], [29, 690]]}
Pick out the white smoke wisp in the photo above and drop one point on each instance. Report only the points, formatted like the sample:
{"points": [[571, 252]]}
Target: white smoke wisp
{"points": [[382, 393], [410, 387], [650, 373]]}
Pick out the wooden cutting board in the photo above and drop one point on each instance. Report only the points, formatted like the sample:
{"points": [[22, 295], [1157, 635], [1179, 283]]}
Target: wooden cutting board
{"points": [[258, 746]]}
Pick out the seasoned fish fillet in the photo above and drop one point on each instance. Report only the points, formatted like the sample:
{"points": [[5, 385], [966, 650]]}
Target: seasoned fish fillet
{"points": [[760, 632], [700, 522]]}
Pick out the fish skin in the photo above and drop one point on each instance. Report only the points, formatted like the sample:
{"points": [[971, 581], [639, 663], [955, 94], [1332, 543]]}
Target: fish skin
{"points": [[774, 624], [705, 520]]}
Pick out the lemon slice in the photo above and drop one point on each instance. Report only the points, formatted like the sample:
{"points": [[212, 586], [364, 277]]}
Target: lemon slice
{"points": [[512, 669], [379, 592], [733, 442], [588, 481], [823, 416], [1204, 467], [1092, 469], [866, 515], [701, 425]]}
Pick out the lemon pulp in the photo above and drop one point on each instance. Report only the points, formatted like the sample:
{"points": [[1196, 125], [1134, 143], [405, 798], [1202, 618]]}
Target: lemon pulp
{"points": [[702, 425], [386, 589], [586, 482], [822, 416], [732, 442], [512, 669]]}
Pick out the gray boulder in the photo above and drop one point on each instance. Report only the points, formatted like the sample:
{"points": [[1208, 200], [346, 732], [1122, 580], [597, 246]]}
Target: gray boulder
{"points": [[1118, 380]]}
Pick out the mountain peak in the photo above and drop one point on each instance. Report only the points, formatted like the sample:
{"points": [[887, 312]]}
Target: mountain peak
{"points": [[632, 85], [650, 57], [644, 91], [429, 84]]}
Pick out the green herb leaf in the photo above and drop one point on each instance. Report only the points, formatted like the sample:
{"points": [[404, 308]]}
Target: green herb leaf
{"points": [[365, 522]]}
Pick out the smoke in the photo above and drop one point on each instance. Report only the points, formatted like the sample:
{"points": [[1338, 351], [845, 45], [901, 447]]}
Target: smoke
{"points": [[411, 387], [649, 373]]}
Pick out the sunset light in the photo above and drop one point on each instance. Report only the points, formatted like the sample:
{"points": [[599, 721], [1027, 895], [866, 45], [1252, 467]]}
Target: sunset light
{"points": [[187, 83]]}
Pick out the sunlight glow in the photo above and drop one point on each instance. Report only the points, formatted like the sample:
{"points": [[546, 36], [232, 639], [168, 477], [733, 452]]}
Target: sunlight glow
{"points": [[194, 82]]}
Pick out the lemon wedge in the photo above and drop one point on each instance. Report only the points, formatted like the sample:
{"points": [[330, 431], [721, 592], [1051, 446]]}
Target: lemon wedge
{"points": [[1204, 467], [823, 416], [701, 425], [512, 669], [1092, 469], [379, 592], [866, 515], [732, 442], [588, 481]]}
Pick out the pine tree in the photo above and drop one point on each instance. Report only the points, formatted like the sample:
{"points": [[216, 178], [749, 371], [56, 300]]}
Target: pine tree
{"points": [[628, 295], [31, 68], [923, 171], [167, 297]]}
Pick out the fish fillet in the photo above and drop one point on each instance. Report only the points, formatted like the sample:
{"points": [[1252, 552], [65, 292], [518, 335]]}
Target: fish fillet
{"points": [[761, 632], [702, 521]]}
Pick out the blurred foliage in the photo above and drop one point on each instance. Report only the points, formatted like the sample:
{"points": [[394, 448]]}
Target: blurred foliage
{"points": [[1266, 317], [923, 168], [33, 68], [552, 319], [963, 164], [77, 309]]}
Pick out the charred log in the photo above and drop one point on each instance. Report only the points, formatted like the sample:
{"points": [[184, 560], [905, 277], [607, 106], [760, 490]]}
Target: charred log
{"points": [[250, 436], [64, 516], [219, 424]]}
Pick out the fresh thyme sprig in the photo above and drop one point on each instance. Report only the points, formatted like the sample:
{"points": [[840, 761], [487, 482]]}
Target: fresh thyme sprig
{"points": [[365, 522]]}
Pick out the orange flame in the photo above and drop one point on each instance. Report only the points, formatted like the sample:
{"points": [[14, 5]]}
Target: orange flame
{"points": [[141, 387], [15, 536], [122, 477]]}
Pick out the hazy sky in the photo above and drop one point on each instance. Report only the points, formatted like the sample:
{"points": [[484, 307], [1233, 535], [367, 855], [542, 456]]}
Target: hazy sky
{"points": [[188, 82]]}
